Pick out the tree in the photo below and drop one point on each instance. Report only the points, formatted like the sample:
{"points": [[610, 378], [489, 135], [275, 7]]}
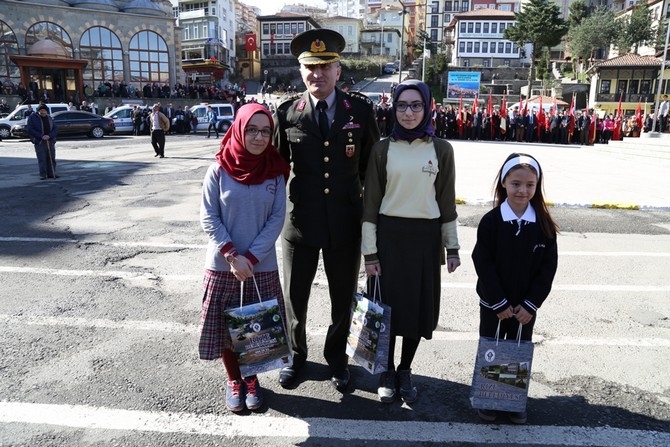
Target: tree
{"points": [[596, 31], [540, 24], [636, 28], [435, 66], [578, 12]]}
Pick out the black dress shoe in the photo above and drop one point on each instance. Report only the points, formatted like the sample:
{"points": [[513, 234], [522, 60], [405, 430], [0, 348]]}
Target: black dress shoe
{"points": [[288, 376], [340, 379]]}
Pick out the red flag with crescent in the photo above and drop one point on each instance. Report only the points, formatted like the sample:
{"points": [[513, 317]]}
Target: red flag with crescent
{"points": [[250, 44]]}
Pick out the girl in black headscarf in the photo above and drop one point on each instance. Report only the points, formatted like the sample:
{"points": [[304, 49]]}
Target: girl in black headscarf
{"points": [[409, 219]]}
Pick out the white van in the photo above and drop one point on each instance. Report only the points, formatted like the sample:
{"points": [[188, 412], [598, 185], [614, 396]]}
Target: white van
{"points": [[18, 116], [224, 111]]}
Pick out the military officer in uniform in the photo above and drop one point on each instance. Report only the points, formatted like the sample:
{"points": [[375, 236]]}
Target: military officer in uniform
{"points": [[326, 134]]}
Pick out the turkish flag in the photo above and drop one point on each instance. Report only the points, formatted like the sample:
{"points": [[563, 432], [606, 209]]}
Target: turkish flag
{"points": [[250, 44]]}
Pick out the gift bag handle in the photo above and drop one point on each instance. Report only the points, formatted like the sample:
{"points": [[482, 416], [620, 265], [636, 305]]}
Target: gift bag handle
{"points": [[376, 290], [518, 334], [258, 292]]}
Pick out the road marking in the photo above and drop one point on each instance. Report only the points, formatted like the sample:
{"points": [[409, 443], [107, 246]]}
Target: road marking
{"points": [[130, 275], [597, 254], [180, 328], [260, 426]]}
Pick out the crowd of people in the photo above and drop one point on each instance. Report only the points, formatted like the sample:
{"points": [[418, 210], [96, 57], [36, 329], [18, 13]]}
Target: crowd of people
{"points": [[584, 127]]}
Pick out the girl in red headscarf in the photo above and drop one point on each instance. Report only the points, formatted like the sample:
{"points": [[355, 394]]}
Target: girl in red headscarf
{"points": [[242, 211]]}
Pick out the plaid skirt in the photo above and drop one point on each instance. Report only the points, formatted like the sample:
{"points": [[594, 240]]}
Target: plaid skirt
{"points": [[221, 291]]}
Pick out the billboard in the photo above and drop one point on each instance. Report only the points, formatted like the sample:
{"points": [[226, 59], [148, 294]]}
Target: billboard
{"points": [[463, 84]]}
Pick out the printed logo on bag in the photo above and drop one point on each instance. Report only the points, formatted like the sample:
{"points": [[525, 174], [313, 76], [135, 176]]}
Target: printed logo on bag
{"points": [[490, 355]]}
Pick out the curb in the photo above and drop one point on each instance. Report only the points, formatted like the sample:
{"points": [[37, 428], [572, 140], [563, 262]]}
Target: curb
{"points": [[603, 206]]}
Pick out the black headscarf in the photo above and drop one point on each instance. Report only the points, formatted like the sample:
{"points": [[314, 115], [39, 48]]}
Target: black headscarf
{"points": [[426, 125]]}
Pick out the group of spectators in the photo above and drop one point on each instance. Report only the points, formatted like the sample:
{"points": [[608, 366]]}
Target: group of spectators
{"points": [[584, 127]]}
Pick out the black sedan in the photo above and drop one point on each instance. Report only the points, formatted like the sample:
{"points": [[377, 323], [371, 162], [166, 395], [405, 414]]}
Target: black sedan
{"points": [[72, 123]]}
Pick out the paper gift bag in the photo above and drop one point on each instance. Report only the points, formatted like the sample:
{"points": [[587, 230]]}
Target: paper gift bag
{"points": [[259, 336], [370, 331], [502, 374]]}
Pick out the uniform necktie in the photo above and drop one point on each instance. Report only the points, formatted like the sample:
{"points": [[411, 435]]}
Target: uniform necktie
{"points": [[323, 118]]}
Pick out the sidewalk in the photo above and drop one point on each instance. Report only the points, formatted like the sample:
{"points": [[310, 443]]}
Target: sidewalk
{"points": [[575, 176]]}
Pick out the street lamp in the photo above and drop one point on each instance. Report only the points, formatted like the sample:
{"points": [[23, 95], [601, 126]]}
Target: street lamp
{"points": [[402, 38], [425, 34], [660, 78], [381, 48]]}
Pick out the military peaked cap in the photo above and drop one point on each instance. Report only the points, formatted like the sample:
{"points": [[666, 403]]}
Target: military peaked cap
{"points": [[318, 46]]}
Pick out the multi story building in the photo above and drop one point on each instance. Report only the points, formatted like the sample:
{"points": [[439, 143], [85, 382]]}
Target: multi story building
{"points": [[208, 39], [477, 39], [67, 49], [276, 32], [355, 9], [350, 29]]}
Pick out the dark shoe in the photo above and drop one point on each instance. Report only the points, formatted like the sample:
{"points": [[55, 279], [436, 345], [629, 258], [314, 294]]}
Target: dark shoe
{"points": [[42, 178], [162, 156], [408, 391], [387, 387], [487, 415], [340, 379], [254, 398], [519, 417], [54, 176], [288, 376], [156, 155], [234, 395]]}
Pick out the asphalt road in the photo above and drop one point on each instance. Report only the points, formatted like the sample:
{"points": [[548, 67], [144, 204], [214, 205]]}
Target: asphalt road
{"points": [[101, 292]]}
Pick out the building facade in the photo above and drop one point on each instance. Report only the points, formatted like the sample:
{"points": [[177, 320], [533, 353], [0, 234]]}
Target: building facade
{"points": [[246, 27], [350, 29], [477, 40], [208, 39], [276, 32], [88, 45]]}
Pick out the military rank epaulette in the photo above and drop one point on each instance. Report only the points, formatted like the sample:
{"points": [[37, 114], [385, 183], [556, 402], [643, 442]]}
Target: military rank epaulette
{"points": [[361, 97], [287, 99]]}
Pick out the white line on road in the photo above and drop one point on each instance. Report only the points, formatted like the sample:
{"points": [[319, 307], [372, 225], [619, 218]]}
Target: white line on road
{"points": [[258, 426], [445, 285], [597, 254], [179, 328]]}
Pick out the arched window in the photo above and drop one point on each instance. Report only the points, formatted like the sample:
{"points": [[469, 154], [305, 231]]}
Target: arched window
{"points": [[149, 59], [49, 30], [9, 46], [102, 49]]}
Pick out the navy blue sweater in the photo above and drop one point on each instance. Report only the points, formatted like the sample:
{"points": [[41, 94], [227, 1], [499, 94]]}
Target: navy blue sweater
{"points": [[515, 264]]}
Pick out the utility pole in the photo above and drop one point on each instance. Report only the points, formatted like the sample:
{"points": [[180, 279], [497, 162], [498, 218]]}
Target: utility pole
{"points": [[402, 38], [660, 77]]}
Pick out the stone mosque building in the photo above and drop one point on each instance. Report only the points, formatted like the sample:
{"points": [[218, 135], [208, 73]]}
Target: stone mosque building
{"points": [[66, 49]]}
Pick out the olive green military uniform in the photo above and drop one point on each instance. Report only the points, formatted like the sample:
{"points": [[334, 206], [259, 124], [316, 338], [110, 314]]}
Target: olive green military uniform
{"points": [[324, 210]]}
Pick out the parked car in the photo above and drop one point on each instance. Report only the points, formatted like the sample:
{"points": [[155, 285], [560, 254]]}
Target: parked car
{"points": [[390, 68], [18, 116], [72, 123]]}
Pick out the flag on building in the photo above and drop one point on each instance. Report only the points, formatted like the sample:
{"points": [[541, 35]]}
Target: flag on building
{"points": [[272, 38], [250, 44], [489, 111]]}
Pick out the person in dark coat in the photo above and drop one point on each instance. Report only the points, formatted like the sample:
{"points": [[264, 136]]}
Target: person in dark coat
{"points": [[327, 135], [42, 131]]}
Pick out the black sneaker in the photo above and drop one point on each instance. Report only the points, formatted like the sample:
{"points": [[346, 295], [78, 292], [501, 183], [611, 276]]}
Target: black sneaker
{"points": [[387, 387], [519, 417], [487, 415], [408, 391]]}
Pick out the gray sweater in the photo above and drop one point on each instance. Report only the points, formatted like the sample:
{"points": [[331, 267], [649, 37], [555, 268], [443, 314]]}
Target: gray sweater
{"points": [[249, 216]]}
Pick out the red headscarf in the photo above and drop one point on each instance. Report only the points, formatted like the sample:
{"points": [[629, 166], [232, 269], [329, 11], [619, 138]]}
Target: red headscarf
{"points": [[241, 164]]}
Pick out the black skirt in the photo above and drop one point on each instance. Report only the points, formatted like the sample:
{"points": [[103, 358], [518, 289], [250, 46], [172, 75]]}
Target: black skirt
{"points": [[409, 253]]}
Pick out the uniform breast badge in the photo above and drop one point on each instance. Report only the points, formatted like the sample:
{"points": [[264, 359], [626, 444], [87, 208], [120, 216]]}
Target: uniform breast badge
{"points": [[350, 150]]}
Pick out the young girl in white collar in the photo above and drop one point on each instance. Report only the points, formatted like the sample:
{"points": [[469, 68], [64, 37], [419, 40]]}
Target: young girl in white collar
{"points": [[515, 256]]}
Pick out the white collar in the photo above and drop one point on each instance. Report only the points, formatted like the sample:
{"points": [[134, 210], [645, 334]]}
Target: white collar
{"points": [[508, 215]]}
